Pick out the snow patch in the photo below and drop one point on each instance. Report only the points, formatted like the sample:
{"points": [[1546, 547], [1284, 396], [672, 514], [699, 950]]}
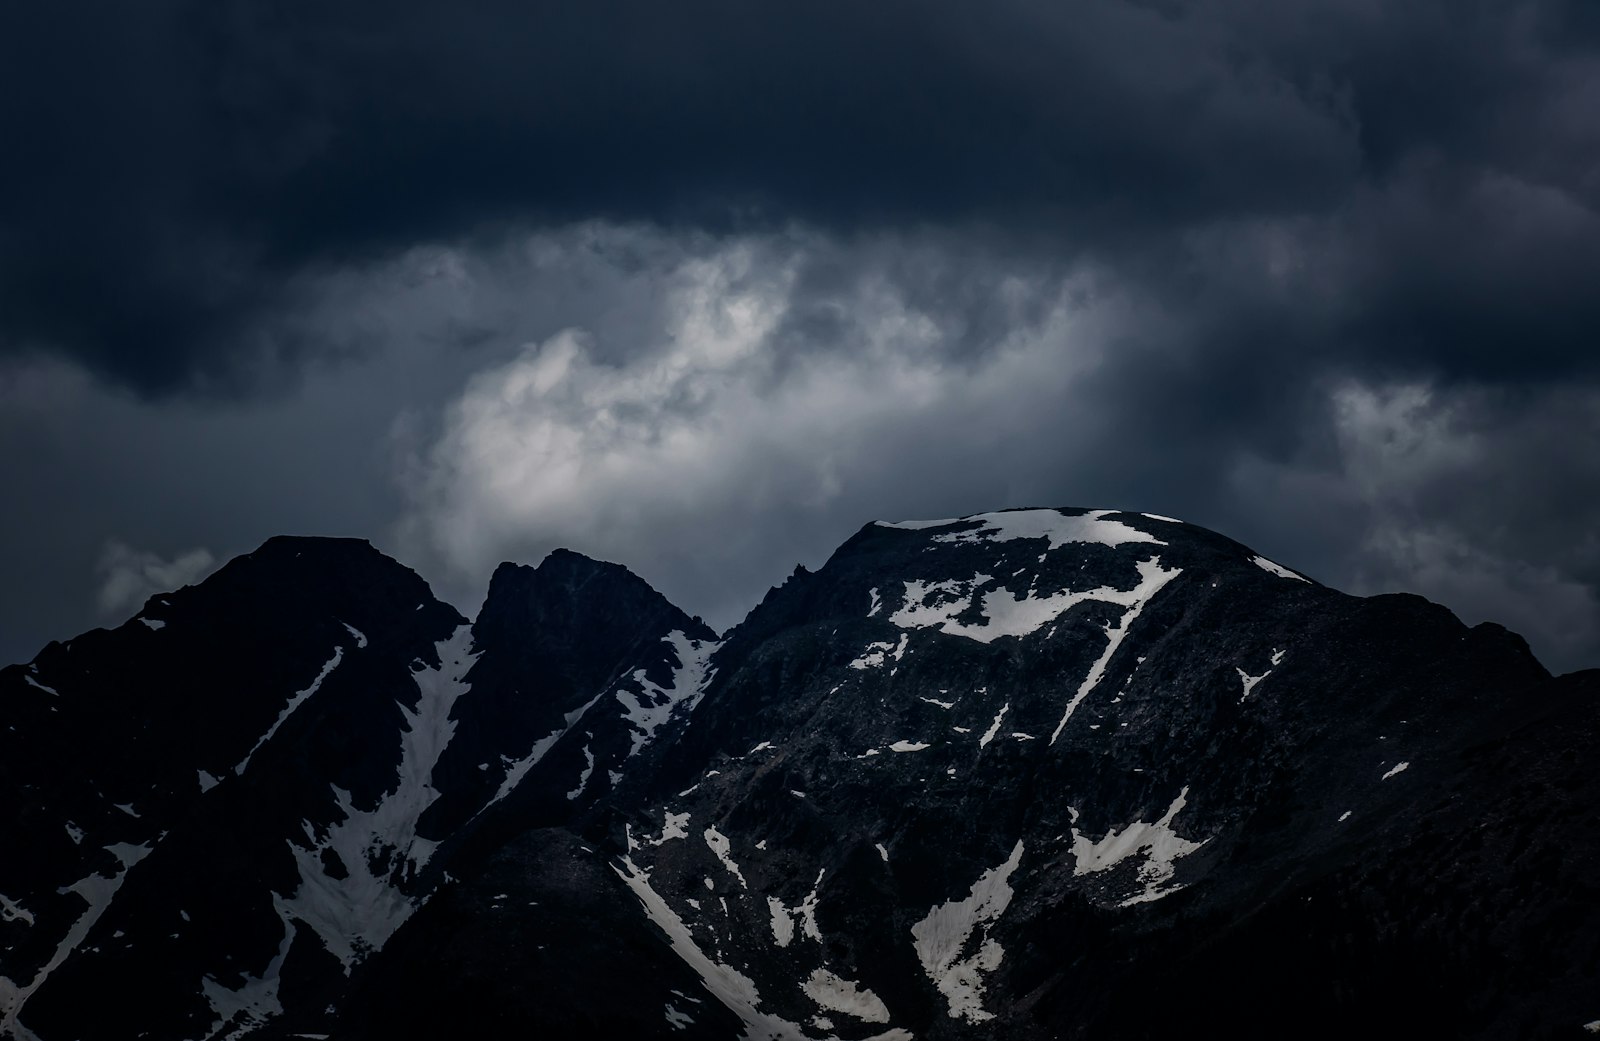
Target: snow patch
{"points": [[28, 678], [994, 728], [736, 991], [837, 994], [673, 826], [1277, 569], [516, 770], [379, 846], [361, 638], [876, 604], [652, 705], [808, 910], [1395, 769], [1161, 846], [207, 782], [1152, 579], [947, 931], [253, 1003], [588, 770], [97, 892], [939, 604], [877, 653], [154, 623], [908, 746], [805, 913], [11, 911], [1058, 527], [1249, 681], [719, 844], [295, 702], [782, 922], [918, 525]]}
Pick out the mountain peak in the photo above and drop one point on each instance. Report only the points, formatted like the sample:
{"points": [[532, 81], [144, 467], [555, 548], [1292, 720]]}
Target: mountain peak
{"points": [[1057, 527], [314, 551], [568, 589], [974, 777]]}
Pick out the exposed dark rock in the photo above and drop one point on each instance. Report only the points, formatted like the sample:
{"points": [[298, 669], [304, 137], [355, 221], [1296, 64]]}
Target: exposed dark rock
{"points": [[1040, 774]]}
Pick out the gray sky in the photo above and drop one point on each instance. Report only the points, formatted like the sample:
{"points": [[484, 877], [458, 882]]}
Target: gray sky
{"points": [[702, 290]]}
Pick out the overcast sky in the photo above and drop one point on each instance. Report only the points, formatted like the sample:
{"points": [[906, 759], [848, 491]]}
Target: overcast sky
{"points": [[702, 287]]}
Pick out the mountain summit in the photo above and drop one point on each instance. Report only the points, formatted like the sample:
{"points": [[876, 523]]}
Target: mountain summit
{"points": [[1029, 774]]}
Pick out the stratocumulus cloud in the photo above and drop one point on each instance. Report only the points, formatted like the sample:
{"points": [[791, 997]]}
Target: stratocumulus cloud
{"points": [[702, 288], [720, 436]]}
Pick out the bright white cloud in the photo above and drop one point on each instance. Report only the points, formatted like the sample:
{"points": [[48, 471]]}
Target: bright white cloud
{"points": [[729, 419]]}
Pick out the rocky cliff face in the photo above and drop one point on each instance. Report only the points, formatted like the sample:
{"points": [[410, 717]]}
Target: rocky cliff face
{"points": [[1032, 774]]}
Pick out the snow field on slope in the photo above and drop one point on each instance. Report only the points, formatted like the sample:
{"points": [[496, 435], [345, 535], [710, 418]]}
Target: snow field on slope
{"points": [[736, 991], [651, 706], [1162, 848], [1059, 528], [942, 936], [97, 892], [379, 846]]}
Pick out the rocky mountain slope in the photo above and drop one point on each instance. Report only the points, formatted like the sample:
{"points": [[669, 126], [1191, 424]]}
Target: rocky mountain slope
{"points": [[1032, 774]]}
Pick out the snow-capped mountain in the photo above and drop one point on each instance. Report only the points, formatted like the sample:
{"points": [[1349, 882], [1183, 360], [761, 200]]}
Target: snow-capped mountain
{"points": [[1030, 774]]}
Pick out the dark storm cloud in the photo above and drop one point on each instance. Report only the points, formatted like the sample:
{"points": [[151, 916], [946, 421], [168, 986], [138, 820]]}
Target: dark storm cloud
{"points": [[1316, 274], [176, 165]]}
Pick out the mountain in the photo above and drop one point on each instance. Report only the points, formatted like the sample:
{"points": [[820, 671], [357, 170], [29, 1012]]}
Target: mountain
{"points": [[1029, 774]]}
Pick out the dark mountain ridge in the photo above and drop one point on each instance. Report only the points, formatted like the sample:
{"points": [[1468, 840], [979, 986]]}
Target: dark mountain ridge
{"points": [[1034, 774]]}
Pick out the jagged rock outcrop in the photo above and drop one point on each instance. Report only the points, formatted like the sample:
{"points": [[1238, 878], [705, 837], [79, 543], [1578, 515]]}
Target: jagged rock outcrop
{"points": [[1033, 774]]}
